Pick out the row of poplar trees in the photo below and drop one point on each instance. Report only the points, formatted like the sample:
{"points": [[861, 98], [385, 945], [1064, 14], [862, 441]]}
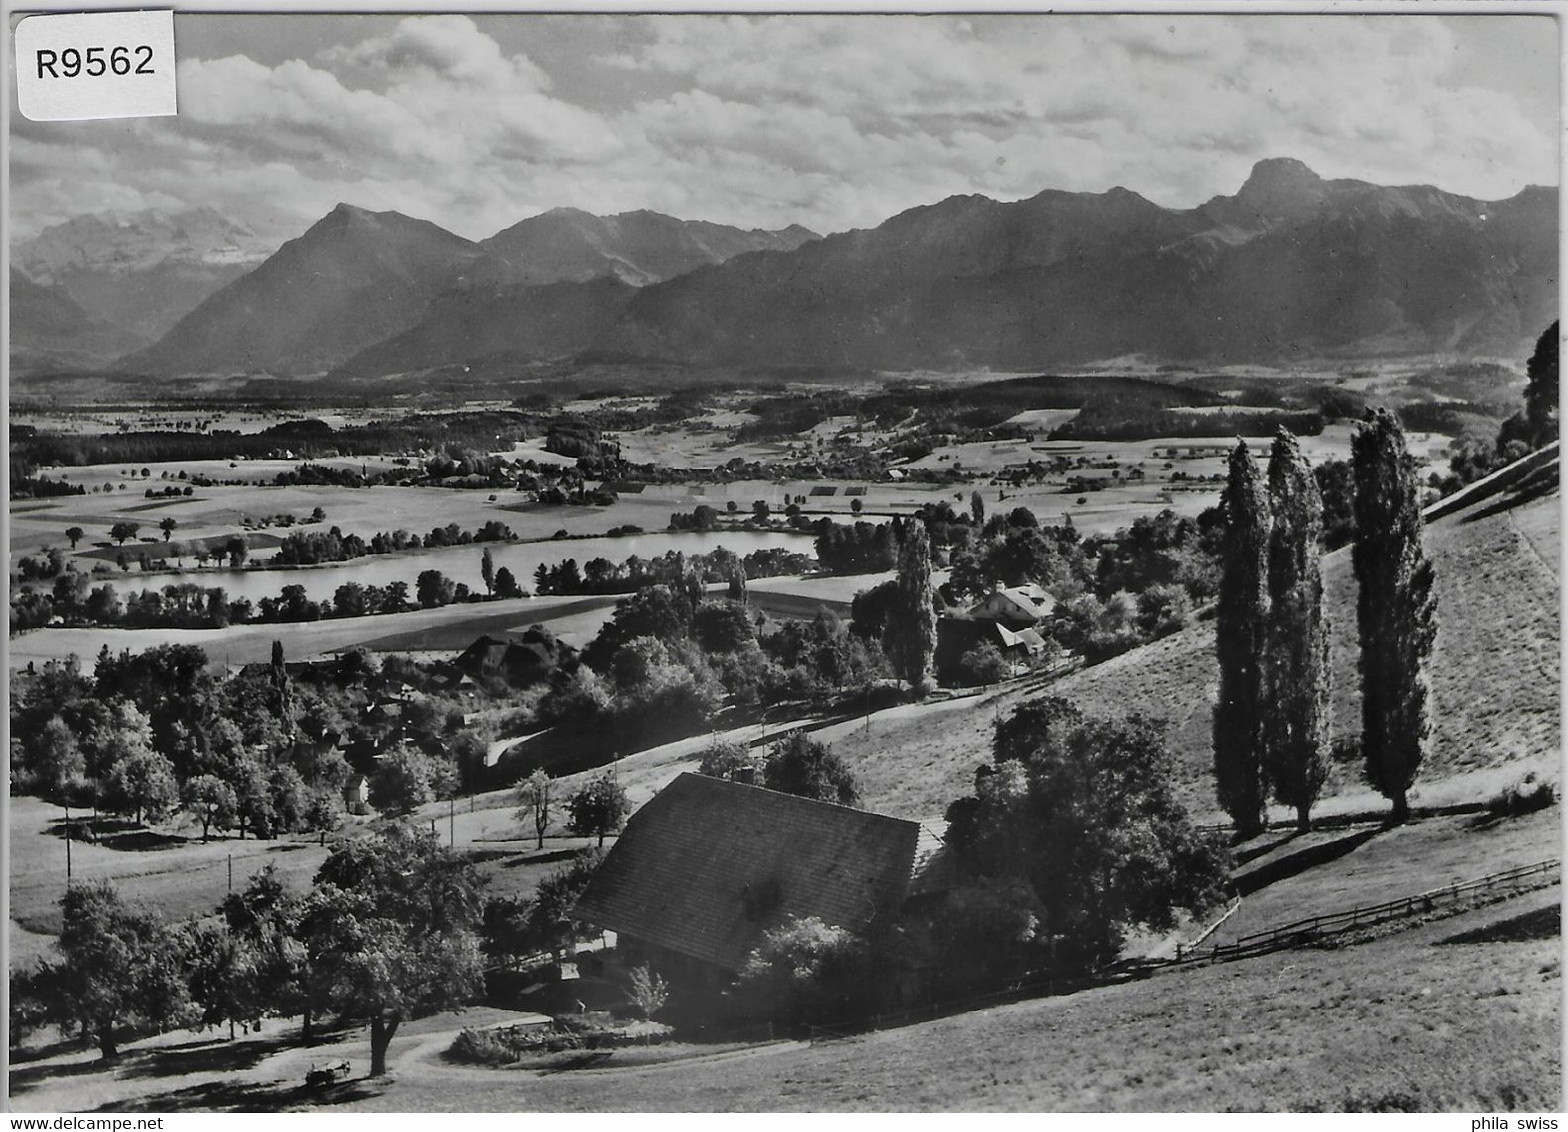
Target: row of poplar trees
{"points": [[1272, 719]]}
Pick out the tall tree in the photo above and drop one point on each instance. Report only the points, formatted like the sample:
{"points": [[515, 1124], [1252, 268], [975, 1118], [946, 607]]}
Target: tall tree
{"points": [[1240, 624], [75, 534], [1295, 655], [1395, 609], [487, 570], [913, 639], [1540, 395]]}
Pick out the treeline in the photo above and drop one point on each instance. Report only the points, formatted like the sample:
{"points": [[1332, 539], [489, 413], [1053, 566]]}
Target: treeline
{"points": [[307, 548], [601, 576], [309, 439], [1119, 420]]}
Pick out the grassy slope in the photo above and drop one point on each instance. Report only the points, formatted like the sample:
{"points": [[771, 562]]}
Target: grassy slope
{"points": [[1407, 1020], [1494, 676]]}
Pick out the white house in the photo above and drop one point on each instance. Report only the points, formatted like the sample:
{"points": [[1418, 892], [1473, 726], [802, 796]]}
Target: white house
{"points": [[1018, 605]]}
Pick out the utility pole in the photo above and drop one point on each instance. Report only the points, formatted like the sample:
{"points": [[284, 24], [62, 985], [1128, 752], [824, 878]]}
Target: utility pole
{"points": [[67, 846], [231, 872], [451, 822]]}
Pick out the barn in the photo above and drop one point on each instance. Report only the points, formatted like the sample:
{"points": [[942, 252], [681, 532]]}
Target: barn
{"points": [[707, 866]]}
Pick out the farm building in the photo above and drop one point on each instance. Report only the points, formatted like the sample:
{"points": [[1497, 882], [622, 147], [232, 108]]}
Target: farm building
{"points": [[707, 866], [1021, 647], [1018, 606], [356, 794], [526, 659]]}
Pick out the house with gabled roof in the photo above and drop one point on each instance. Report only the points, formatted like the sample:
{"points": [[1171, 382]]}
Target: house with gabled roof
{"points": [[707, 866], [1018, 606]]}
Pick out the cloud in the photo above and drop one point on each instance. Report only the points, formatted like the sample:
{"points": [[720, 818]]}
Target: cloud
{"points": [[830, 121]]}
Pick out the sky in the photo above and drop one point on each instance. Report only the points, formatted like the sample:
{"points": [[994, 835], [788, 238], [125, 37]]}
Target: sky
{"points": [[832, 122]]}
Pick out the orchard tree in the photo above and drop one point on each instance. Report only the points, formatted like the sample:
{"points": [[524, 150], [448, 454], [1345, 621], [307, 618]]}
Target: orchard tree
{"points": [[221, 972], [167, 526], [800, 765], [124, 530], [1240, 623], [1396, 610], [393, 932], [912, 639], [407, 778], [57, 760], [598, 809], [212, 801], [731, 761], [533, 797], [119, 969], [142, 784], [265, 917], [75, 534], [1295, 655]]}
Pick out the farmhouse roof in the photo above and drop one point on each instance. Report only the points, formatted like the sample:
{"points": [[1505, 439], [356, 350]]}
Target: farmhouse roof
{"points": [[1028, 601], [706, 866]]}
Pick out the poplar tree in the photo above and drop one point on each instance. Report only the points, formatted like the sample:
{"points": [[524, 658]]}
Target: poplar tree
{"points": [[1540, 395], [1395, 609], [1240, 622], [914, 621], [1295, 665]]}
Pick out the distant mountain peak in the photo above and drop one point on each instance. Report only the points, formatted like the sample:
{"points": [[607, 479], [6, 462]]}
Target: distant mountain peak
{"points": [[1280, 186]]}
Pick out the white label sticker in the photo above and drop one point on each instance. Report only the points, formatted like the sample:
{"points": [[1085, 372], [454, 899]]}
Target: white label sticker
{"points": [[95, 65]]}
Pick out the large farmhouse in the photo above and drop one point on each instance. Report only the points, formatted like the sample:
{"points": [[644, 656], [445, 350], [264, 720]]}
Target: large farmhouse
{"points": [[707, 866], [1017, 606]]}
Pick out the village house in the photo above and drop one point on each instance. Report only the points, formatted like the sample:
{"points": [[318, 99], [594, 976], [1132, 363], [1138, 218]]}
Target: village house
{"points": [[1016, 606], [707, 866], [529, 658]]}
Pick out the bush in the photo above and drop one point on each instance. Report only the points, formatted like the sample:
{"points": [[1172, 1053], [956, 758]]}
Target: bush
{"points": [[805, 970], [1526, 796]]}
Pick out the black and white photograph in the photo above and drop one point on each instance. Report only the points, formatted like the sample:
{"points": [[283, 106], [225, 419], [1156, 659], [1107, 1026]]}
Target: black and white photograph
{"points": [[760, 562]]}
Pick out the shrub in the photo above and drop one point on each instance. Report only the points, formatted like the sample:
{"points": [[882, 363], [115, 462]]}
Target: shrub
{"points": [[805, 970], [1526, 796]]}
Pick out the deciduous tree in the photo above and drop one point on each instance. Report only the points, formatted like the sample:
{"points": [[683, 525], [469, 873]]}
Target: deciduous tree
{"points": [[598, 809], [800, 765], [119, 968], [1083, 812], [533, 797], [212, 801], [394, 931]]}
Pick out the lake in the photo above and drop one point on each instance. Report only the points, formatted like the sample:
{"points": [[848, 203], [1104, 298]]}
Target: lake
{"points": [[461, 563]]}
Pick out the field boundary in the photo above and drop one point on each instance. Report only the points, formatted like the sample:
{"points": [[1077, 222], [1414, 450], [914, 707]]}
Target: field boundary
{"points": [[1303, 931]]}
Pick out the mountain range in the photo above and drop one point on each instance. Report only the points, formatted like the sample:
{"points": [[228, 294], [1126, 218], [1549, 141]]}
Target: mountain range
{"points": [[141, 271], [1292, 266], [51, 332]]}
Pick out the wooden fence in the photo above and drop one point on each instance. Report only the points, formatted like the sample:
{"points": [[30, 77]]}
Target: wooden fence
{"points": [[1331, 923], [1289, 935]]}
